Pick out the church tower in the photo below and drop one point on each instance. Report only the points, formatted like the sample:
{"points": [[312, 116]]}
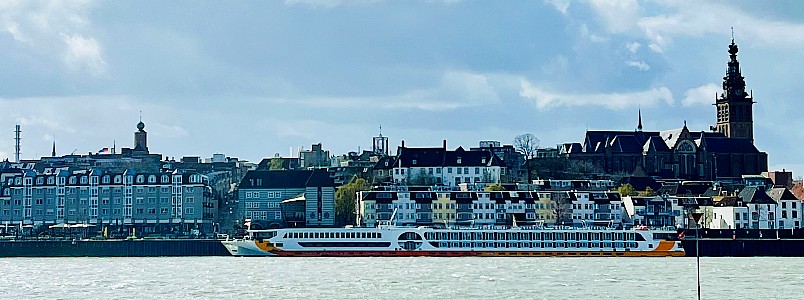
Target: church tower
{"points": [[734, 105], [141, 137]]}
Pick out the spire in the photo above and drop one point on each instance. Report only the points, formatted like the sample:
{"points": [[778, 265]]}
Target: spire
{"points": [[639, 127], [733, 82], [53, 154]]}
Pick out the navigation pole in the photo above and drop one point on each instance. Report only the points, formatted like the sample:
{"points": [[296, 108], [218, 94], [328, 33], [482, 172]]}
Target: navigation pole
{"points": [[697, 217]]}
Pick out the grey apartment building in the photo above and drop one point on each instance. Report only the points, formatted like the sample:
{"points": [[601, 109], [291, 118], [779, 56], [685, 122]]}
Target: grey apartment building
{"points": [[262, 193], [152, 203]]}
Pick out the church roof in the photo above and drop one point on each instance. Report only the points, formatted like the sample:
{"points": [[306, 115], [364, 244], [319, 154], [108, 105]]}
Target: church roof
{"points": [[655, 144], [595, 137], [626, 144], [729, 145]]}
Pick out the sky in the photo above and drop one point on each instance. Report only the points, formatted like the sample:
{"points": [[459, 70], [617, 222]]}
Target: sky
{"points": [[251, 79]]}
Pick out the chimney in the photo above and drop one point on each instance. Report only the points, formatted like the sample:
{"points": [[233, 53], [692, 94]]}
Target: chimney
{"points": [[403, 143], [445, 144]]}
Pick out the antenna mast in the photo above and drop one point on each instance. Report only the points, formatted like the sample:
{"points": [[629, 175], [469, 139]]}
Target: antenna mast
{"points": [[17, 144]]}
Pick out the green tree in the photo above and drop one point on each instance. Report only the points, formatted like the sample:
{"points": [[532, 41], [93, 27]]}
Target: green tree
{"points": [[648, 192], [423, 178], [345, 201], [494, 187], [276, 164], [626, 189]]}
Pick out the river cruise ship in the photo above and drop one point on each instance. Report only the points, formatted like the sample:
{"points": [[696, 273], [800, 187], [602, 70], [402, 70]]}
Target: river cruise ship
{"points": [[475, 241]]}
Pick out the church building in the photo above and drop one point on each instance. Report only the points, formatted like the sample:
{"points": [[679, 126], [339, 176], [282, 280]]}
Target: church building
{"points": [[727, 151]]}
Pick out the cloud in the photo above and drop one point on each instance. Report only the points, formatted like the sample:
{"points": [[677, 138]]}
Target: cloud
{"points": [[641, 65], [548, 100], [666, 20], [584, 30], [328, 3], [619, 16], [560, 5], [704, 94], [54, 29], [656, 48], [633, 47], [83, 53], [457, 89]]}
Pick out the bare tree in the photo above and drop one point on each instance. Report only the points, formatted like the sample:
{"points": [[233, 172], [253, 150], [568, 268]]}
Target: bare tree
{"points": [[527, 144]]}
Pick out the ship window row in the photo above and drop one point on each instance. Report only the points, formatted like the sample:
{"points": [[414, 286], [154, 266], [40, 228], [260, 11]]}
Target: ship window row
{"points": [[531, 236], [521, 245], [346, 244], [333, 235]]}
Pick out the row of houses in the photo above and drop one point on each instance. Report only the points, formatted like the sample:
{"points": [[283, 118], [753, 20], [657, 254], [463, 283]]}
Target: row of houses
{"points": [[752, 207]]}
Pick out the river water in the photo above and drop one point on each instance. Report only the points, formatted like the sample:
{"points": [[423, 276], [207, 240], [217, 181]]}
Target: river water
{"points": [[399, 278]]}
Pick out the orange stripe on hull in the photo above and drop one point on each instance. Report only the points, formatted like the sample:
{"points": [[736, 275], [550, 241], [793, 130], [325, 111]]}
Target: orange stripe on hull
{"points": [[479, 253]]}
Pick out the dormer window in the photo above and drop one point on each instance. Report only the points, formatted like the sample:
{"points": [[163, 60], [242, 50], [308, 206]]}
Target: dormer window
{"points": [[483, 160], [414, 161], [459, 160], [140, 178], [152, 179]]}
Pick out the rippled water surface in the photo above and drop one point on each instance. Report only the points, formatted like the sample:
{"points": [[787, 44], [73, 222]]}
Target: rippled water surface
{"points": [[399, 278]]}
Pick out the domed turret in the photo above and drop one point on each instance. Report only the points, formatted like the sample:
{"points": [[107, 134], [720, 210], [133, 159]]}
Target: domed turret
{"points": [[141, 137]]}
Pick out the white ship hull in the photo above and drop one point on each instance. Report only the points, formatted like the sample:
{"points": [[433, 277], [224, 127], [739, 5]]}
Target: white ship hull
{"points": [[425, 241]]}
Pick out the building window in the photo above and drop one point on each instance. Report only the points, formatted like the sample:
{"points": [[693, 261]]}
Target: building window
{"points": [[189, 211], [278, 215]]}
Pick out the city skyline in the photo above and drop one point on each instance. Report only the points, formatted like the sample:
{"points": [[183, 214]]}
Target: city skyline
{"points": [[250, 80]]}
